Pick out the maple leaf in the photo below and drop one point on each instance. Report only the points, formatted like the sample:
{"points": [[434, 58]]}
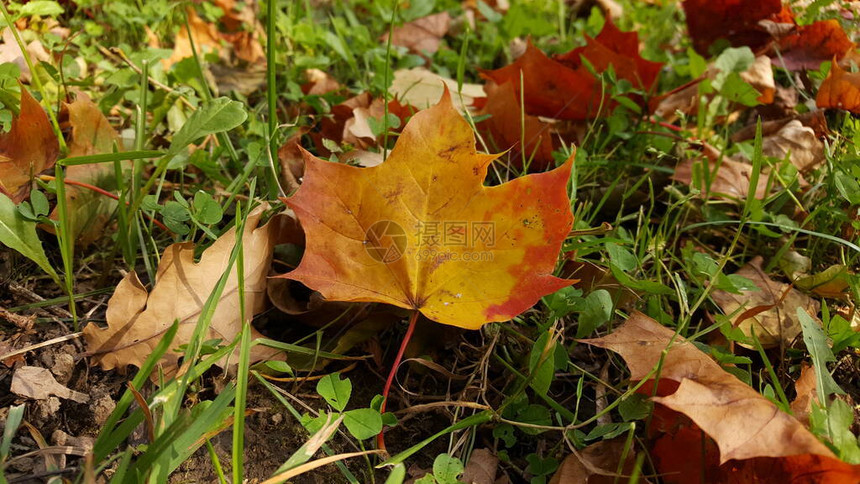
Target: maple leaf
{"points": [[136, 320], [28, 149], [420, 231], [618, 49], [754, 438], [507, 127], [563, 87], [734, 20], [840, 90]]}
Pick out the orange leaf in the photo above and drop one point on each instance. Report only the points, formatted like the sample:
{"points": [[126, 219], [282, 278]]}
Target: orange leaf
{"points": [[734, 20], [29, 148], [420, 231], [810, 45], [841, 90]]}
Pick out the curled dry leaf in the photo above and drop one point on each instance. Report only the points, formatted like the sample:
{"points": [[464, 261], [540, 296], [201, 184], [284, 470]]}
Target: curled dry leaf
{"points": [[39, 384], [840, 90], [755, 439], [136, 320], [420, 231], [422, 35], [27, 149], [770, 313], [805, 151]]}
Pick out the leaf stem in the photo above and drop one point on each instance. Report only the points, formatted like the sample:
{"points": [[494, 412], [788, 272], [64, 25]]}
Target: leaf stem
{"points": [[380, 439]]}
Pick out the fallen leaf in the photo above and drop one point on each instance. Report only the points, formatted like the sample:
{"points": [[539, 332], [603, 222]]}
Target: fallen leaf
{"points": [[770, 313], [728, 178], [39, 384], [805, 394], [686, 99], [618, 49], [550, 88], [805, 151], [833, 282], [422, 35], [27, 149], [596, 464], [136, 320], [421, 88], [481, 468], [840, 90], [421, 232], [563, 87], [91, 134], [319, 83], [205, 36], [736, 21], [11, 52], [508, 128], [810, 45], [755, 439]]}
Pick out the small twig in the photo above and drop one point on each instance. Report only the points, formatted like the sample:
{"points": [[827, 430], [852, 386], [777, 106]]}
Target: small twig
{"points": [[106, 193], [22, 291], [117, 52], [36, 346]]}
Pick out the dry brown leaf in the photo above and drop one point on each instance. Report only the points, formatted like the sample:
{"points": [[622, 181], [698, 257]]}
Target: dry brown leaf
{"points": [[421, 88], [805, 388], [744, 424], [805, 149], [596, 464], [39, 384], [481, 468], [137, 319], [11, 52], [422, 35], [91, 134], [732, 178], [27, 149], [686, 100], [319, 82], [771, 312]]}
